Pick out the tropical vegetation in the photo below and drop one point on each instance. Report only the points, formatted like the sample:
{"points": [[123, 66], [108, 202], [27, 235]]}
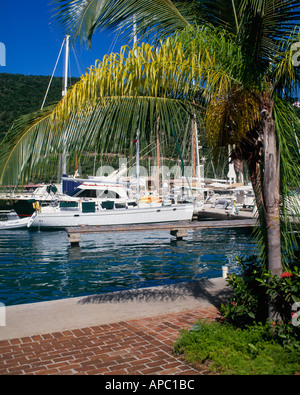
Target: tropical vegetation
{"points": [[223, 349], [227, 63], [253, 289], [22, 94], [244, 340]]}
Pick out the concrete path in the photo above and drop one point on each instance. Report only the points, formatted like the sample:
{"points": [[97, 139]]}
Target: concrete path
{"points": [[46, 317]]}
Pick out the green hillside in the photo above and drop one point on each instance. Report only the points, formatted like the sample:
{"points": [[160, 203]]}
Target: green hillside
{"points": [[22, 94]]}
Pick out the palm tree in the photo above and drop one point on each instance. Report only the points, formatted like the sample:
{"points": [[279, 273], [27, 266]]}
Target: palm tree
{"points": [[263, 29], [243, 72]]}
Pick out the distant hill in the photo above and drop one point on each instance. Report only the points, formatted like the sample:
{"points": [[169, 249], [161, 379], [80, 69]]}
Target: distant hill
{"points": [[21, 94]]}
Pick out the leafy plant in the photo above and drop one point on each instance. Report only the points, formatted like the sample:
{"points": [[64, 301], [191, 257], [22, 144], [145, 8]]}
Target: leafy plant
{"points": [[246, 342], [255, 288], [249, 303], [228, 350], [283, 291]]}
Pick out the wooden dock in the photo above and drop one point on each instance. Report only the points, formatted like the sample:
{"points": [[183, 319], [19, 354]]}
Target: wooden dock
{"points": [[177, 229]]}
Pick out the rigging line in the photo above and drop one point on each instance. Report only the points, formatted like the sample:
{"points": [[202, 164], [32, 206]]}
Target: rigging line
{"points": [[180, 154], [144, 153], [53, 73], [70, 72], [142, 157], [114, 41], [77, 60]]}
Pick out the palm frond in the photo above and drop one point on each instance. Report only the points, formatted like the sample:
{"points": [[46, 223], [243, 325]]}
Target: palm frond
{"points": [[229, 118], [278, 17], [282, 71], [258, 26], [124, 91], [81, 19], [169, 72], [27, 141], [127, 90], [288, 132]]}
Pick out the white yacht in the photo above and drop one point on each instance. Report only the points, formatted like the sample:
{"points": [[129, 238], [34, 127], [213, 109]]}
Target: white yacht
{"points": [[109, 212]]}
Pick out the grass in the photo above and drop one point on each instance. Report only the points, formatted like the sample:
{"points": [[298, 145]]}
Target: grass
{"points": [[227, 350]]}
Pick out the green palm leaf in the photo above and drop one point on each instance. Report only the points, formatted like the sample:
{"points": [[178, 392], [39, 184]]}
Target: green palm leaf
{"points": [[288, 131], [134, 88], [28, 140], [82, 18]]}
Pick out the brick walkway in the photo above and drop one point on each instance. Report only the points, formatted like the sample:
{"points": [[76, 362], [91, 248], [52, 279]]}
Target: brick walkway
{"points": [[137, 347]]}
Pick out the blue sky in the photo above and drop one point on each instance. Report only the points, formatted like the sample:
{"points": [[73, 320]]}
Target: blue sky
{"points": [[33, 43]]}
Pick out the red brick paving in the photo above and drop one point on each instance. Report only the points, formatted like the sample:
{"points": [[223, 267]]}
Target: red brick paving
{"points": [[137, 347]]}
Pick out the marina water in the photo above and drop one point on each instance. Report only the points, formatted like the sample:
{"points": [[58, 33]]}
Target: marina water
{"points": [[41, 266]]}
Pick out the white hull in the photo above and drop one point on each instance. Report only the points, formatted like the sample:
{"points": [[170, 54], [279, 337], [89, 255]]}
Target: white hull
{"points": [[14, 224], [57, 218]]}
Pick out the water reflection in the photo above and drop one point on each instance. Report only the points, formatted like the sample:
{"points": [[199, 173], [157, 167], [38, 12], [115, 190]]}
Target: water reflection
{"points": [[38, 266]]}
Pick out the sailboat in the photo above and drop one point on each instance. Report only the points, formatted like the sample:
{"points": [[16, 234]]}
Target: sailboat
{"points": [[89, 207], [100, 210], [21, 199], [109, 212]]}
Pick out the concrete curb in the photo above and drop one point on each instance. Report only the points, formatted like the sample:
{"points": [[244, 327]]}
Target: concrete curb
{"points": [[81, 312]]}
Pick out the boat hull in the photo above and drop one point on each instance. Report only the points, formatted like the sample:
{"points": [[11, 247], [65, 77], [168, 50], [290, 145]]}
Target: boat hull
{"points": [[62, 219], [14, 224]]}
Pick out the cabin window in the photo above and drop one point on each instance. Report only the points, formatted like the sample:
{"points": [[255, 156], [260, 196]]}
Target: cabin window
{"points": [[88, 193], [107, 194]]}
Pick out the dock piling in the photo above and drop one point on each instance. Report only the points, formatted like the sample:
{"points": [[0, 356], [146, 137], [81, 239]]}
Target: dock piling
{"points": [[74, 239], [179, 229], [179, 233]]}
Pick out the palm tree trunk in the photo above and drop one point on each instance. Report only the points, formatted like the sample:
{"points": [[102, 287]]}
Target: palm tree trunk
{"points": [[256, 174], [271, 194]]}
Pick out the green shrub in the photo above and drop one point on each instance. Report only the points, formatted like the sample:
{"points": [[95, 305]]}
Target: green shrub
{"points": [[283, 291], [245, 342], [249, 303], [255, 288], [228, 350]]}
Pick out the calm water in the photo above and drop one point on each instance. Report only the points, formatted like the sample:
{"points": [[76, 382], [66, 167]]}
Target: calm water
{"points": [[40, 266]]}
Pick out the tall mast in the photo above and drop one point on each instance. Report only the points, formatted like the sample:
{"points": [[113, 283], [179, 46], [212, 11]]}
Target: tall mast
{"points": [[137, 131], [196, 150], [138, 165], [135, 34], [67, 50], [157, 158], [64, 92]]}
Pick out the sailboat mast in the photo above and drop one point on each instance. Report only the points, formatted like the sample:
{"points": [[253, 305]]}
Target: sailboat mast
{"points": [[138, 164], [194, 154], [197, 151], [64, 92], [157, 162], [135, 34], [65, 80], [137, 131]]}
